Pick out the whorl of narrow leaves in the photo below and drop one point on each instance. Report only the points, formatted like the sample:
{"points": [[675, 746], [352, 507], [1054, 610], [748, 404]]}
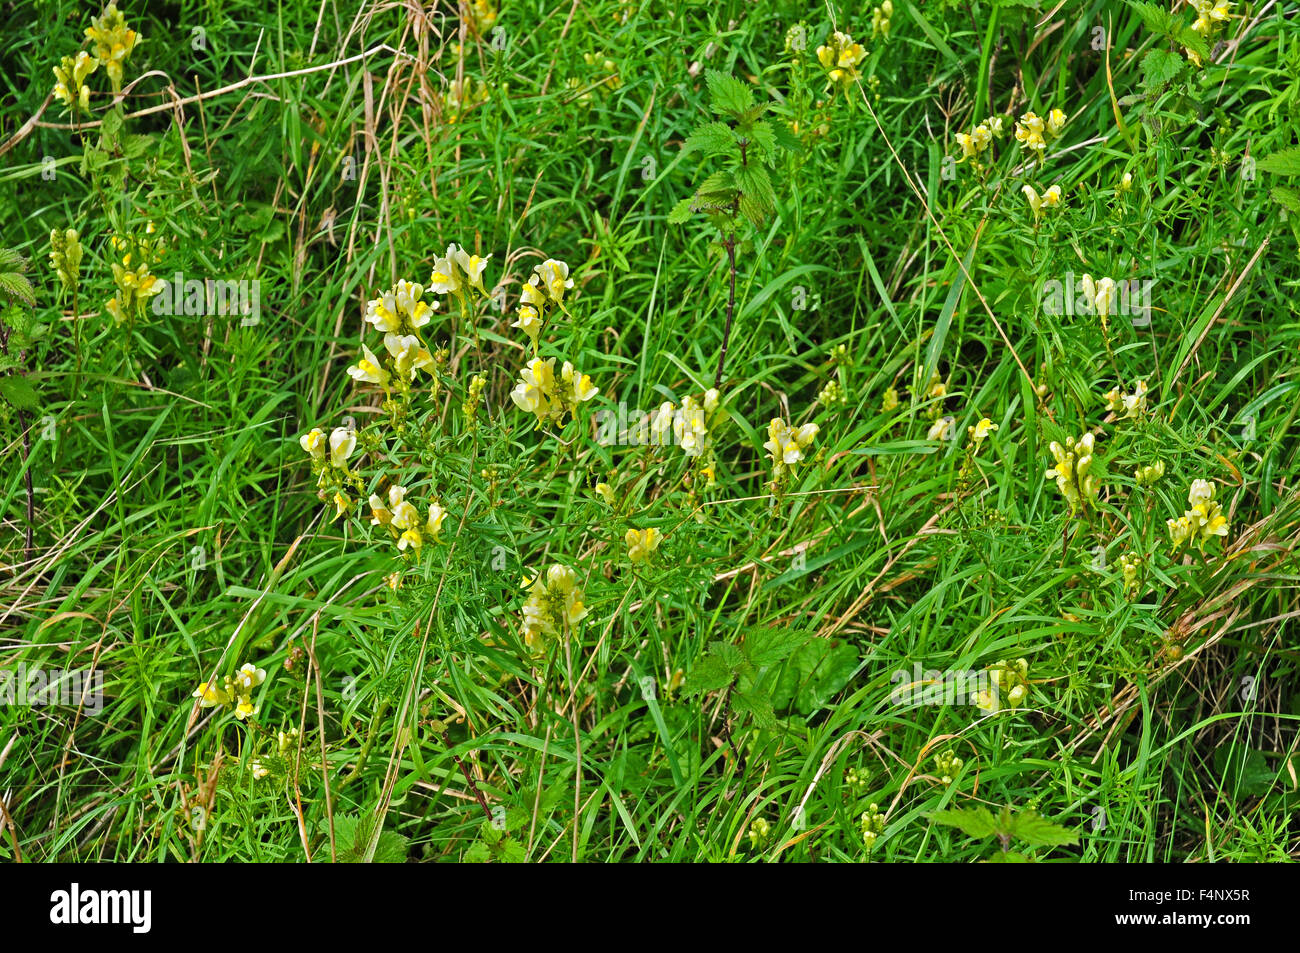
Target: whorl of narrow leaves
{"points": [[744, 142]]}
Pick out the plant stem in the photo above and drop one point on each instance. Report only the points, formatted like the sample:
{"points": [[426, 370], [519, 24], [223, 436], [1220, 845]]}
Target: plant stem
{"points": [[730, 245]]}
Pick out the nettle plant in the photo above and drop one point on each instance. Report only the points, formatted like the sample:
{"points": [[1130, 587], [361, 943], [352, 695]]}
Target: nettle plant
{"points": [[740, 195], [736, 200]]}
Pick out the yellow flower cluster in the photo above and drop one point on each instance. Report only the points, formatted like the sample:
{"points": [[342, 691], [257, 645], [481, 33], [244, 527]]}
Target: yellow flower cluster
{"points": [[461, 97], [65, 256], [540, 296], [113, 41], [841, 57], [457, 271], [70, 74], [980, 138], [1073, 461], [786, 444], [540, 393], [399, 314], [1101, 296], [135, 284], [1050, 199], [1128, 405], [329, 457], [237, 691], [402, 519], [1210, 17], [689, 425], [1201, 523], [1034, 133], [641, 543], [553, 603], [1011, 686]]}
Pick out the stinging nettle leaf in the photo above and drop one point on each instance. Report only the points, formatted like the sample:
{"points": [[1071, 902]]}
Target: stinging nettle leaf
{"points": [[710, 138]]}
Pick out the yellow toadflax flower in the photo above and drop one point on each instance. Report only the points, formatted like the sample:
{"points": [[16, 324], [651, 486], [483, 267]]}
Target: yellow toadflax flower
{"points": [[113, 41], [342, 442], [641, 543], [70, 88], [979, 433], [1073, 479], [786, 444], [553, 604], [314, 443], [841, 57]]}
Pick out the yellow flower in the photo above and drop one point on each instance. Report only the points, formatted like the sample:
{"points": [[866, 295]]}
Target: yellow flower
{"points": [[981, 430], [409, 354], [380, 514], [368, 370], [1055, 122], [890, 401], [472, 266], [787, 444], [553, 276], [342, 442], [841, 57], [248, 678], [1071, 472], [940, 430], [529, 320], [641, 543], [113, 42], [581, 388], [70, 88], [404, 513], [314, 443], [1029, 132], [605, 492], [210, 696], [433, 525], [445, 278]]}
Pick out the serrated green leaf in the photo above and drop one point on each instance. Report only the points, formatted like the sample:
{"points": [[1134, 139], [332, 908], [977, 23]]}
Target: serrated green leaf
{"points": [[1160, 67], [710, 138], [757, 703], [1286, 162], [1032, 828], [728, 95], [769, 645], [973, 821], [682, 211], [764, 136], [19, 393], [1286, 197], [710, 674], [753, 180]]}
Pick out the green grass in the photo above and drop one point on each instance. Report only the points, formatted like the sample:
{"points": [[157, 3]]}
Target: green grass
{"points": [[745, 671]]}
